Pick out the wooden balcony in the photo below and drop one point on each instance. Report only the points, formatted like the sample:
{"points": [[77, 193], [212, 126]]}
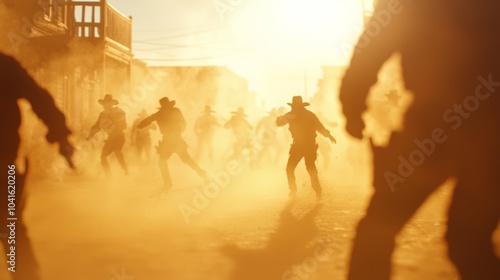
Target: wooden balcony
{"points": [[100, 21]]}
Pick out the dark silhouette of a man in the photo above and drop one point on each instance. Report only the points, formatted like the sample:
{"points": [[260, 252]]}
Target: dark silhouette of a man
{"points": [[242, 131], [17, 84], [111, 120], [172, 124], [450, 56], [204, 128], [303, 125]]}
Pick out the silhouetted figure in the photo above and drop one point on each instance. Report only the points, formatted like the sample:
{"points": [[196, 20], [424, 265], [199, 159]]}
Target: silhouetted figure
{"points": [[172, 124], [113, 122], [267, 135], [242, 131], [450, 56], [303, 125], [204, 128], [141, 138], [17, 84]]}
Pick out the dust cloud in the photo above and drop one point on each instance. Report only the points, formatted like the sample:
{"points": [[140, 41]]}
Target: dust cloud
{"points": [[237, 221]]}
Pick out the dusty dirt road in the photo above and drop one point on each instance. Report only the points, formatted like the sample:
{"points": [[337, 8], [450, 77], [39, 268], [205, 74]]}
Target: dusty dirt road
{"points": [[122, 228]]}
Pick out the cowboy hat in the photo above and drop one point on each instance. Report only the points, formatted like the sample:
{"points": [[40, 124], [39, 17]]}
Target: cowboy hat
{"points": [[108, 98], [165, 102], [240, 112], [208, 109], [297, 102]]}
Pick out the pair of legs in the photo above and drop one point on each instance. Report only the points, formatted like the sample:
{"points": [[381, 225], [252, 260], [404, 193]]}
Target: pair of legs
{"points": [[113, 144], [143, 148], [309, 153], [473, 214], [180, 148]]}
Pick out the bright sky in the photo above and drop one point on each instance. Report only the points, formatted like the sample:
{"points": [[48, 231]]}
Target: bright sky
{"points": [[272, 43]]}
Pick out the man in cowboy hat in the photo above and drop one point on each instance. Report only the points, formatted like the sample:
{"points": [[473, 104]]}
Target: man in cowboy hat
{"points": [[242, 131], [204, 129], [450, 131], [113, 122], [172, 124], [303, 125], [17, 84]]}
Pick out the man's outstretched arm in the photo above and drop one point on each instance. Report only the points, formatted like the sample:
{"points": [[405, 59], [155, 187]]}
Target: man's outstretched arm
{"points": [[285, 119], [45, 108], [322, 129], [147, 121]]}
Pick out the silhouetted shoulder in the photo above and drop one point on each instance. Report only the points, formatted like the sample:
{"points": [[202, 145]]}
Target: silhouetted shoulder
{"points": [[13, 75], [118, 111], [7, 60], [310, 114]]}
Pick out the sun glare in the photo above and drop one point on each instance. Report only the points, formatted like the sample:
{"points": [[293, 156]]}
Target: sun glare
{"points": [[300, 27], [313, 20], [291, 39]]}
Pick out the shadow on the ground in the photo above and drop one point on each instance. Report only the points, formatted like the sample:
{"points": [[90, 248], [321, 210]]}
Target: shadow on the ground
{"points": [[289, 246]]}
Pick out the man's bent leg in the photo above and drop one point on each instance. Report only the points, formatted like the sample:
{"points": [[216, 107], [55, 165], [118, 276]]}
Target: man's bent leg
{"points": [[293, 160], [186, 158], [310, 159], [118, 145], [106, 151], [390, 208], [165, 173], [473, 217]]}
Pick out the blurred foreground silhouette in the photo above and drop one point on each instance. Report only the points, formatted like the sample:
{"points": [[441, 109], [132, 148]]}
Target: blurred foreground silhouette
{"points": [[450, 56], [17, 84]]}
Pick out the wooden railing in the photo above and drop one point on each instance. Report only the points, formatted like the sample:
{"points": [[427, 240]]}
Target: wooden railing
{"points": [[118, 27]]}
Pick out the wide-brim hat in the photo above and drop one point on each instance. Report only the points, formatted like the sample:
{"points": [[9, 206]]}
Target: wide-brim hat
{"points": [[239, 112], [297, 102], [208, 109], [165, 102], [108, 99]]}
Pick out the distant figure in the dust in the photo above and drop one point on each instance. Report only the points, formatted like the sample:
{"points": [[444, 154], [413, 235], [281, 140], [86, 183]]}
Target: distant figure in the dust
{"points": [[450, 56], [242, 130], [17, 84], [141, 138], [112, 121], [172, 124], [303, 125], [204, 128], [267, 134]]}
